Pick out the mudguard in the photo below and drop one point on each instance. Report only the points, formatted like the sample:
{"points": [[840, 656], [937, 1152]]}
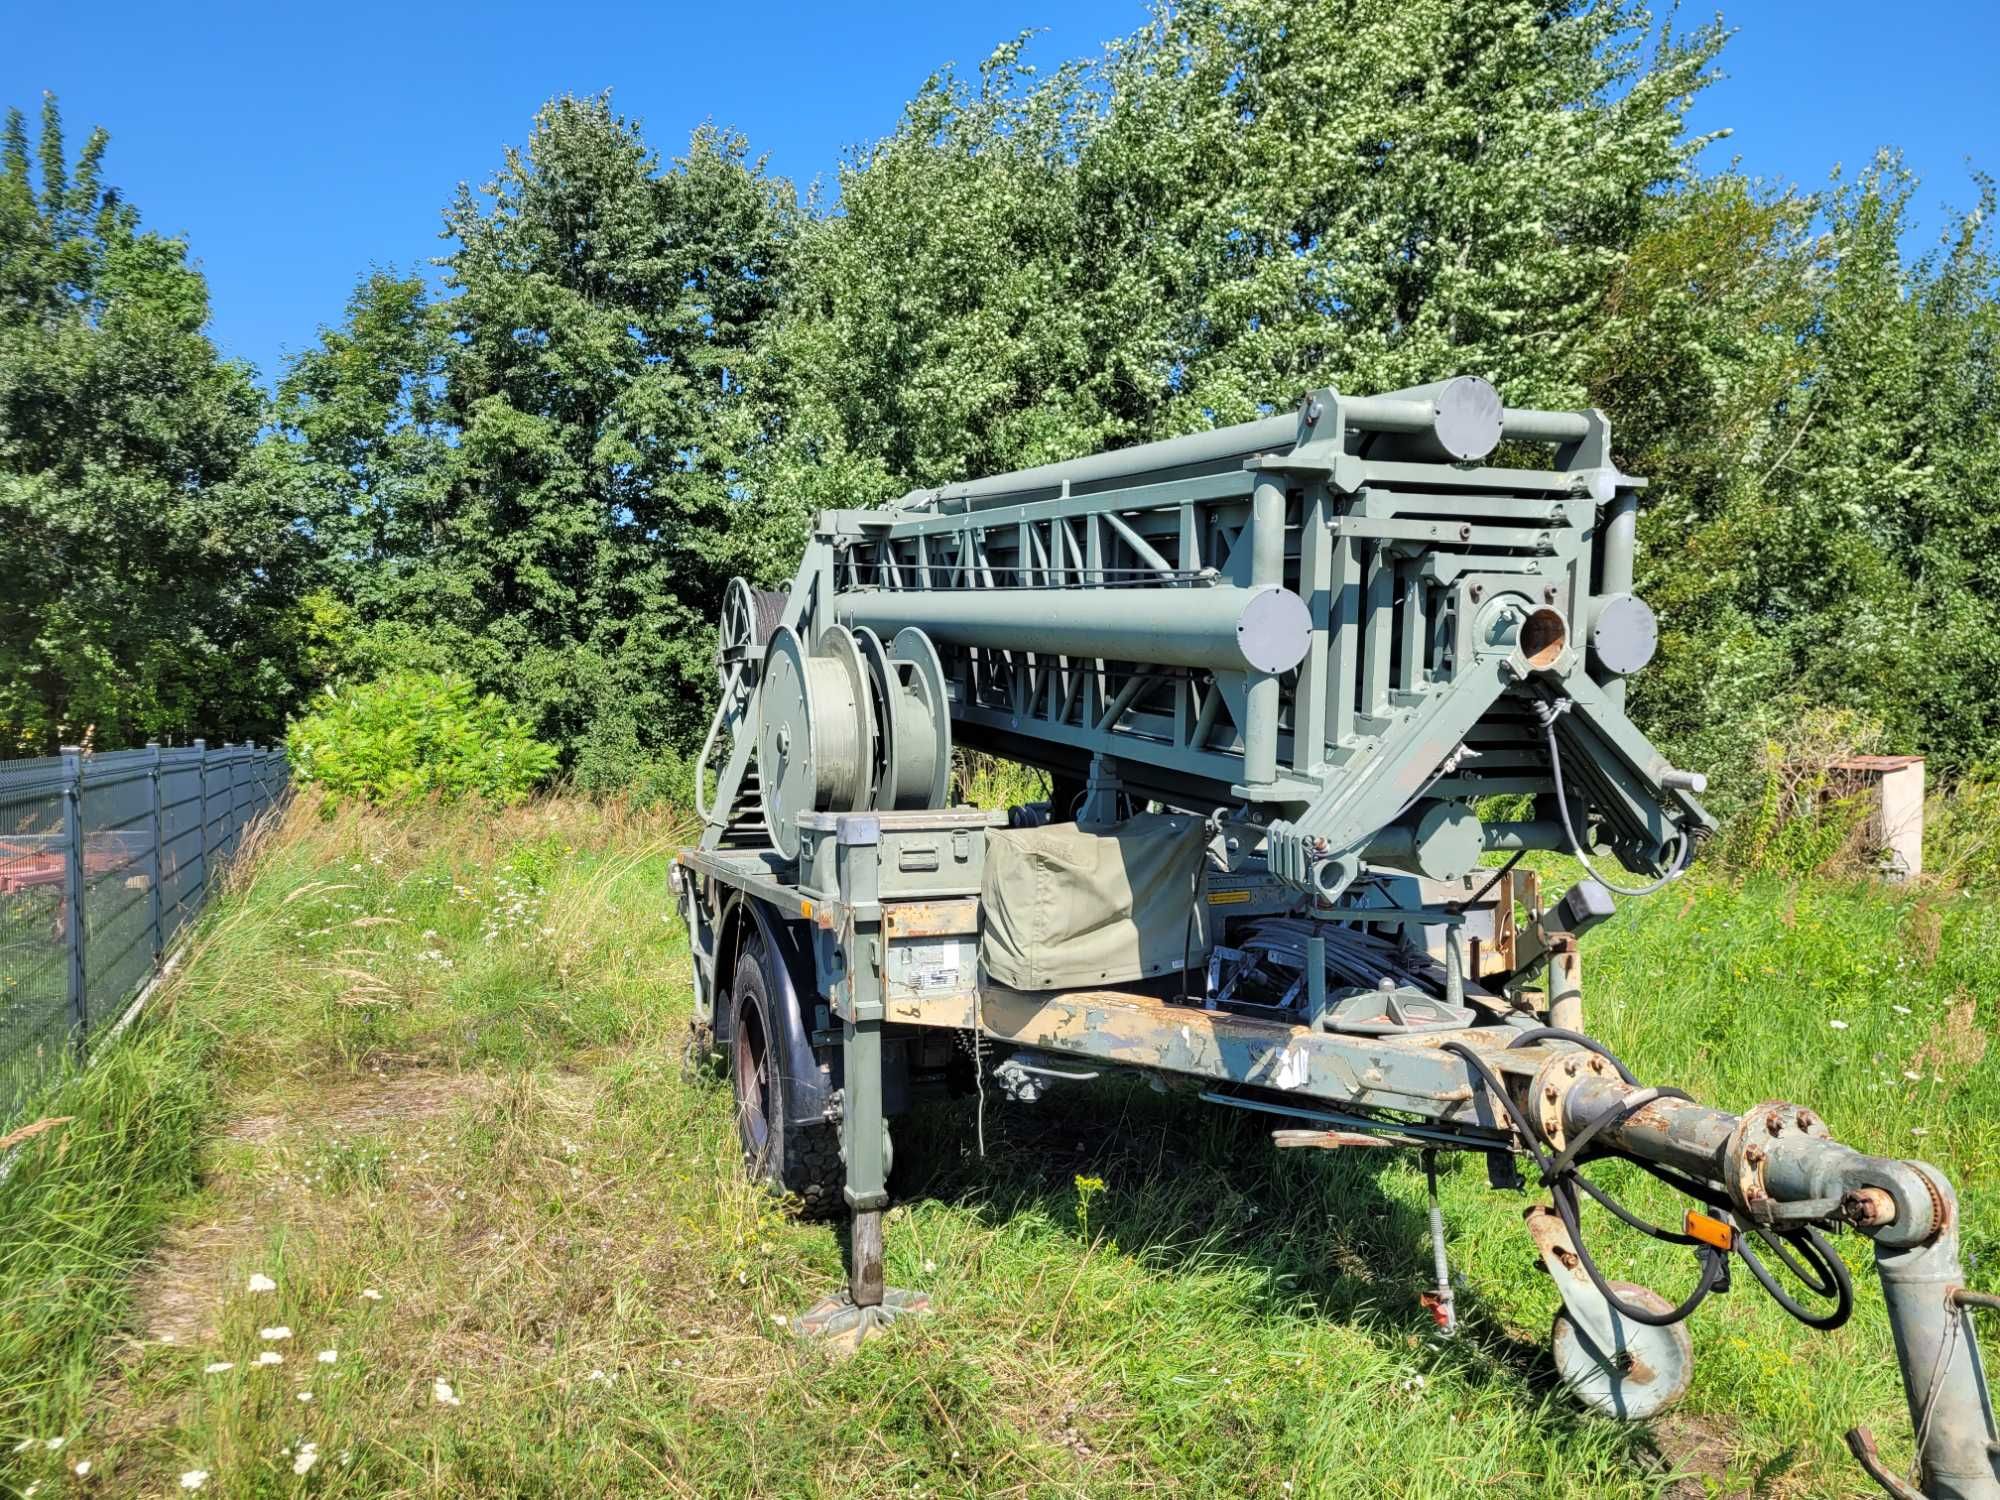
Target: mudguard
{"points": [[808, 1088]]}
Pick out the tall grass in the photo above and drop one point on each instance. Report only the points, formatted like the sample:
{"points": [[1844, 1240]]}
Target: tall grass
{"points": [[437, 1058]]}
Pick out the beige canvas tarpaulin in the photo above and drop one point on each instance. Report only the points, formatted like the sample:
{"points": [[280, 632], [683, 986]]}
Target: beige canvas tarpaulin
{"points": [[1066, 908]]}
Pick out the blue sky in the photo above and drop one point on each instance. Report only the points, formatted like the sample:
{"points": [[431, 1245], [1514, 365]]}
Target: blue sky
{"points": [[294, 146]]}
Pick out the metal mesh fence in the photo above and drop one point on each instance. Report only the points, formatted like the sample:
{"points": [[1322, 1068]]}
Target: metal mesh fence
{"points": [[103, 860]]}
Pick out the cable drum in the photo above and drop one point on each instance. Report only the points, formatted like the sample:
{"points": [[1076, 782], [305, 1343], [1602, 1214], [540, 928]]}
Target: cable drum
{"points": [[912, 760], [815, 732]]}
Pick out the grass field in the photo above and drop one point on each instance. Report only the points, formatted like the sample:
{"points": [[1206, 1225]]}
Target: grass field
{"points": [[423, 1074]]}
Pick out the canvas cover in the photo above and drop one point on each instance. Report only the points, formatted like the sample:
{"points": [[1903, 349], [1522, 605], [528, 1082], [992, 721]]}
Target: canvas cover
{"points": [[1067, 908]]}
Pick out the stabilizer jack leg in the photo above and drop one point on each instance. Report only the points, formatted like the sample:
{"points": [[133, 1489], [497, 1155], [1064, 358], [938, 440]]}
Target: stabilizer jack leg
{"points": [[1439, 1299], [843, 1320]]}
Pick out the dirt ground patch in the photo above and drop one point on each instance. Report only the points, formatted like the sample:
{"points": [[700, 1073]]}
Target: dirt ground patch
{"points": [[1700, 1452], [368, 1104], [177, 1294]]}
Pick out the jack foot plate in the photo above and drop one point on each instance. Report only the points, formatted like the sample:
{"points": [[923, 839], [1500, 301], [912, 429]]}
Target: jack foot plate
{"points": [[837, 1325]]}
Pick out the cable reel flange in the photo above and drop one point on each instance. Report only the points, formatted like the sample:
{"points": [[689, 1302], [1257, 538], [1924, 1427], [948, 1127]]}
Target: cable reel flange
{"points": [[925, 767], [749, 615], [815, 731], [912, 761]]}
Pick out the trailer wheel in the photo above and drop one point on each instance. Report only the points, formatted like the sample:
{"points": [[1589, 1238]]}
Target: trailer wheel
{"points": [[798, 1157]]}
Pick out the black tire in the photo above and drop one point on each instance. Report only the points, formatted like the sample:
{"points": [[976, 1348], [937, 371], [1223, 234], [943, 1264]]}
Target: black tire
{"points": [[797, 1157]]}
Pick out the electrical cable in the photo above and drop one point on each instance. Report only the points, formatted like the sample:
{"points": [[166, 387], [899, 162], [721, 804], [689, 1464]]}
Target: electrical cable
{"points": [[1835, 1282], [1498, 876], [1562, 1186], [1546, 713], [1815, 1262]]}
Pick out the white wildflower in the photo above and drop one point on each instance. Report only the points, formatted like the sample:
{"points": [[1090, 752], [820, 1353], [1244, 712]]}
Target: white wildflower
{"points": [[1918, 1130], [270, 1357], [82, 1467], [1838, 1025], [442, 1393], [929, 1266], [274, 1333], [371, 1294], [598, 1375], [308, 1455], [1913, 1077], [219, 1366], [259, 1282], [56, 1442], [1901, 1010], [194, 1479], [327, 1356], [305, 1395], [24, 1445]]}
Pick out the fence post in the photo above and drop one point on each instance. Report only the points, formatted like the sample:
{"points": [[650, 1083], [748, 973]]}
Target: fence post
{"points": [[201, 779], [159, 852], [79, 995]]}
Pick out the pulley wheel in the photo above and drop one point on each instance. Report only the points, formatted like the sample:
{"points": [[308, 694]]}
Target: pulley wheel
{"points": [[913, 743], [1647, 1373], [749, 615], [815, 731]]}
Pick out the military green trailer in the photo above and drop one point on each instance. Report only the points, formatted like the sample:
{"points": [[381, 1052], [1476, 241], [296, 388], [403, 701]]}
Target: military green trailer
{"points": [[1279, 676]]}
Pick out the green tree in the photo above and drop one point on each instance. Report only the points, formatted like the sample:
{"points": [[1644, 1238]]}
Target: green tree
{"points": [[540, 474], [151, 567], [1842, 552], [1240, 202]]}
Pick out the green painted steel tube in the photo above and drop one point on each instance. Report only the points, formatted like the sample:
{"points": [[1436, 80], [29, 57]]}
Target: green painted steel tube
{"points": [[1525, 426], [1267, 570], [1617, 552], [1226, 447], [1225, 629], [1218, 448]]}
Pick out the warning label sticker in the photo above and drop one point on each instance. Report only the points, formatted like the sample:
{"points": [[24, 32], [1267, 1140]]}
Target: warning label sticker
{"points": [[930, 966]]}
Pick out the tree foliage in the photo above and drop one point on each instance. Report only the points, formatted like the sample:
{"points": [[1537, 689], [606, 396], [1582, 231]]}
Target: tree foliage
{"points": [[151, 574], [539, 473], [638, 377]]}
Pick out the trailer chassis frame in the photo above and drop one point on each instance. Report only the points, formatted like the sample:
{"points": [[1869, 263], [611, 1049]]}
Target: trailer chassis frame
{"points": [[1473, 1089]]}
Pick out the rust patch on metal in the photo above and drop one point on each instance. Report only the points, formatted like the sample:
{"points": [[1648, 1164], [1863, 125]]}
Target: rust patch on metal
{"points": [[1652, 1117], [922, 919], [1326, 1139]]}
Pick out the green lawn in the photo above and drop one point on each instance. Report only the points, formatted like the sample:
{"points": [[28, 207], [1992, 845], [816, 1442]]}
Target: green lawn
{"points": [[437, 1059]]}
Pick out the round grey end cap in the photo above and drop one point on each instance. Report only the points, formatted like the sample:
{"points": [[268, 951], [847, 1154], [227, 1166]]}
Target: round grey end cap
{"points": [[1449, 840], [1274, 630], [1624, 634], [1468, 418]]}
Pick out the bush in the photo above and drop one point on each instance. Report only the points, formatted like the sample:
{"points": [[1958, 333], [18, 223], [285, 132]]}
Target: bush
{"points": [[414, 735], [1962, 830], [613, 758], [1807, 818]]}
